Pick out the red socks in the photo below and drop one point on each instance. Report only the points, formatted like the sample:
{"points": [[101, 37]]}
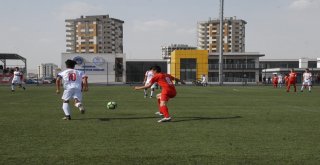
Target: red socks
{"points": [[164, 111]]}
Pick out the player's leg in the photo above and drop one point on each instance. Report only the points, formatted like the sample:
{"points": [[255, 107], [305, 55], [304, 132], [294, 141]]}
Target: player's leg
{"points": [[152, 90], [295, 87], [145, 93], [12, 86], [164, 98], [288, 86], [77, 101], [65, 105], [151, 93], [158, 99], [303, 86], [21, 86], [309, 85], [66, 110]]}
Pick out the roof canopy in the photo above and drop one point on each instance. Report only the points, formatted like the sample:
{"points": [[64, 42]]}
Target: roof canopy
{"points": [[11, 56]]}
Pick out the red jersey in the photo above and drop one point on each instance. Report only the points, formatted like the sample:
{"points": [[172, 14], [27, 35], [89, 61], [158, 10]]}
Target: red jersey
{"points": [[165, 81], [286, 78], [275, 79], [292, 76]]}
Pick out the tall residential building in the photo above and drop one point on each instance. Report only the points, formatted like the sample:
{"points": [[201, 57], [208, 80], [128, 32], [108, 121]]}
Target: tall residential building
{"points": [[166, 50], [94, 34], [233, 35], [48, 70]]}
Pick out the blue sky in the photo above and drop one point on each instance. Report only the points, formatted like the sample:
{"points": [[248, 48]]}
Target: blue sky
{"points": [[278, 28]]}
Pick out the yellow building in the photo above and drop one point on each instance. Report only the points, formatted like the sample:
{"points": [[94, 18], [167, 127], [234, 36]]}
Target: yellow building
{"points": [[189, 65]]}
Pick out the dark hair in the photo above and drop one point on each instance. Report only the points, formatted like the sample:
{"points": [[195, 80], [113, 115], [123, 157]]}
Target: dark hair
{"points": [[156, 68], [70, 64], [307, 69]]}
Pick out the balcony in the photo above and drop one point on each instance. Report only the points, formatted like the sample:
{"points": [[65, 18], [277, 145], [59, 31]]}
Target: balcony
{"points": [[232, 66]]}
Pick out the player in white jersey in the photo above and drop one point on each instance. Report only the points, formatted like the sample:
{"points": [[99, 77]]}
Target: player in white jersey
{"points": [[17, 79], [74, 82], [204, 80], [307, 80], [280, 80], [147, 77]]}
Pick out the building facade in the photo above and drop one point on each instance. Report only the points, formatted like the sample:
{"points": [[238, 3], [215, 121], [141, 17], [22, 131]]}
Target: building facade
{"points": [[136, 69], [237, 67], [47, 70], [269, 67], [233, 35], [167, 50], [100, 67], [94, 34], [190, 65]]}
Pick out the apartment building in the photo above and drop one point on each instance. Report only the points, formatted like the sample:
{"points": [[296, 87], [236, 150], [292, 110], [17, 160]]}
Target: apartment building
{"points": [[167, 50], [233, 35], [94, 34]]}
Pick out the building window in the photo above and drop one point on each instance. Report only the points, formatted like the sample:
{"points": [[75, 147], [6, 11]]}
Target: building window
{"points": [[188, 69]]}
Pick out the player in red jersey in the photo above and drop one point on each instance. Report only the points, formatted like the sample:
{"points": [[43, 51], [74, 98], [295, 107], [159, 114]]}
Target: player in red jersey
{"points": [[168, 90], [275, 81], [292, 80], [286, 80]]}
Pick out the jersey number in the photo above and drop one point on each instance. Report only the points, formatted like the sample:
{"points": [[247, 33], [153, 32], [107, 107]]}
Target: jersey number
{"points": [[169, 81], [72, 77]]}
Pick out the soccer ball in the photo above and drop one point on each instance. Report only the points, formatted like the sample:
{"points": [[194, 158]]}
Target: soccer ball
{"points": [[112, 105]]}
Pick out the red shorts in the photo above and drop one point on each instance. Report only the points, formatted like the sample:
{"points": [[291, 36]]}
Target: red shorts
{"points": [[292, 81], [167, 96]]}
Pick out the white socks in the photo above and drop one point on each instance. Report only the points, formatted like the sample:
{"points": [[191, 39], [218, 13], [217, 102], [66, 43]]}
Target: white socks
{"points": [[77, 104], [66, 109]]}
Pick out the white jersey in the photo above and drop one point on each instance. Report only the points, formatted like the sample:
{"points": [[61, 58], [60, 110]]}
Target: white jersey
{"points": [[307, 77], [149, 75], [280, 78], [72, 79], [204, 79], [17, 77]]}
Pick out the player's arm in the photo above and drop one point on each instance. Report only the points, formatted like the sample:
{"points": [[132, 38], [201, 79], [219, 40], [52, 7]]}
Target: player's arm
{"points": [[58, 84], [143, 87], [152, 81], [177, 80], [85, 86]]}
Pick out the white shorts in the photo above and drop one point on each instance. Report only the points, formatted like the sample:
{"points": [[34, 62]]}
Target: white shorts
{"points": [[72, 94], [308, 83], [153, 86], [16, 82]]}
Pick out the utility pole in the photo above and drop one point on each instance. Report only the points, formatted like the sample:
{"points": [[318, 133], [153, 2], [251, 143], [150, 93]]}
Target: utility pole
{"points": [[221, 44]]}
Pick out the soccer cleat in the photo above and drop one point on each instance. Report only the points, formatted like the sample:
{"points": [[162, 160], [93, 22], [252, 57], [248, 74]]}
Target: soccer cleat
{"points": [[12, 90], [66, 118], [150, 97], [145, 96], [24, 88], [165, 119], [158, 113], [82, 110]]}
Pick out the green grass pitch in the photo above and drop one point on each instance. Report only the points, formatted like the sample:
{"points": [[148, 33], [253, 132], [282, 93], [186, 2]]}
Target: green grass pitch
{"points": [[211, 125]]}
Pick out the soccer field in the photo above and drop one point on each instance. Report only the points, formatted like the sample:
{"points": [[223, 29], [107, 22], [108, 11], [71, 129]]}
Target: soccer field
{"points": [[211, 125]]}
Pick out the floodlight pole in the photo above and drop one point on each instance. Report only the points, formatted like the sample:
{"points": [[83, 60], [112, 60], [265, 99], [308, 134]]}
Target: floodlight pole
{"points": [[221, 44]]}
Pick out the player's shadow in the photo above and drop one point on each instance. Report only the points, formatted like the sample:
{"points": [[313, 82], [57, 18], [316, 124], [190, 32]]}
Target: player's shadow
{"points": [[125, 118], [183, 119], [175, 119]]}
